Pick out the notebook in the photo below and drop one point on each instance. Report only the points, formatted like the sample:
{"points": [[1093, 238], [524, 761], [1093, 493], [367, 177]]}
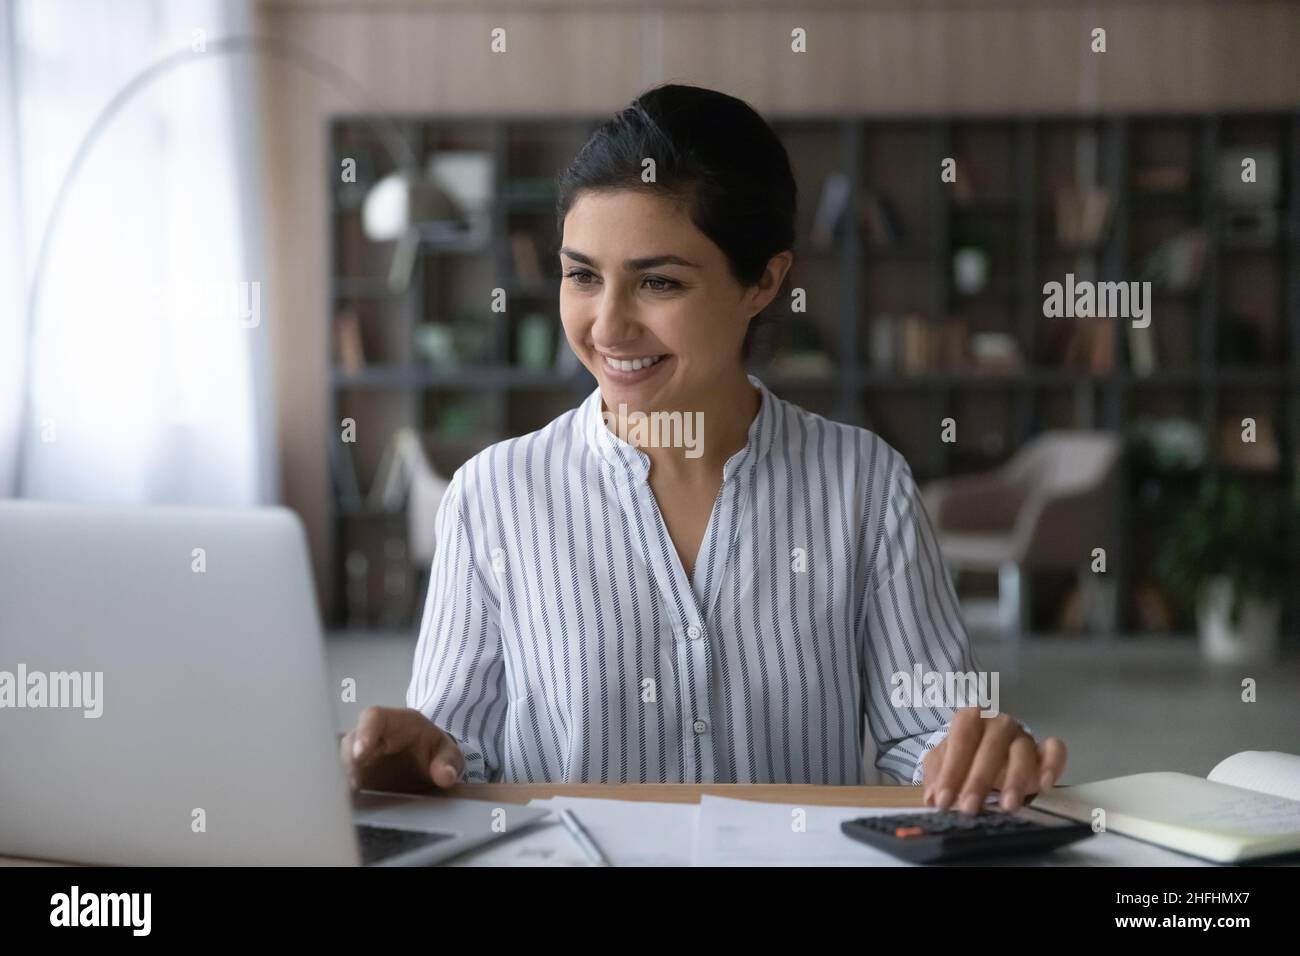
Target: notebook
{"points": [[1248, 807]]}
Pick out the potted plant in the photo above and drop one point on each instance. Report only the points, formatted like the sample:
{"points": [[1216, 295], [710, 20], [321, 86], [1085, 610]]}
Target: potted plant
{"points": [[1225, 559]]}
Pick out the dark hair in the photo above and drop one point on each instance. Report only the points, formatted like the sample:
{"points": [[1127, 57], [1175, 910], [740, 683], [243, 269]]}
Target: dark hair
{"points": [[714, 153]]}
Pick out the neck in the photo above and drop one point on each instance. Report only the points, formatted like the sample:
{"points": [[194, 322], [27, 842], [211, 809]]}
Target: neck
{"points": [[719, 428]]}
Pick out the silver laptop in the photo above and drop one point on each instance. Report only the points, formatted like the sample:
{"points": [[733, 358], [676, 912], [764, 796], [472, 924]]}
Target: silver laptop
{"points": [[163, 700]]}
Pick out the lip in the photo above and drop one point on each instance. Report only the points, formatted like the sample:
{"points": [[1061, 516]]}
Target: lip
{"points": [[631, 378]]}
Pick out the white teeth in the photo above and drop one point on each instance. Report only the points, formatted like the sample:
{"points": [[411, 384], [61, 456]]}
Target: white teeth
{"points": [[632, 365]]}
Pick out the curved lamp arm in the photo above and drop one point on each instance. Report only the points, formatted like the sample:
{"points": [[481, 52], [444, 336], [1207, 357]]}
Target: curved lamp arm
{"points": [[398, 149]]}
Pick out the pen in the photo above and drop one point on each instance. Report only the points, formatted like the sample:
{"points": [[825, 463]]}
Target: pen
{"points": [[583, 838]]}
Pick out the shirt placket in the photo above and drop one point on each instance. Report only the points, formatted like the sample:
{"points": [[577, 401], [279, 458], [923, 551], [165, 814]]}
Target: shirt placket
{"points": [[691, 695]]}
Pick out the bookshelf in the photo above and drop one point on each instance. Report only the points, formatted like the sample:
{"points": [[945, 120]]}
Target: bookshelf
{"points": [[1224, 344]]}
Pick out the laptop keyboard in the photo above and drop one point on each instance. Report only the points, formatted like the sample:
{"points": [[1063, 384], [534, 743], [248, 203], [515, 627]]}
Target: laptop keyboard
{"points": [[380, 843]]}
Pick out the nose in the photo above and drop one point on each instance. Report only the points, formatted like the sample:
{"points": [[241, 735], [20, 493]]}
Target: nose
{"points": [[615, 323]]}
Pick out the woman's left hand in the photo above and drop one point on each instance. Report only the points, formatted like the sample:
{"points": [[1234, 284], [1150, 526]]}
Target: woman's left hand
{"points": [[989, 753]]}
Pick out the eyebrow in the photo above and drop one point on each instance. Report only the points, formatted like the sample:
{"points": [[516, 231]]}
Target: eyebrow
{"points": [[633, 265]]}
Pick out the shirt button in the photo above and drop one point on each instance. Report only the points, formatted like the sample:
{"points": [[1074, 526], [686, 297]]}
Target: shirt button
{"points": [[700, 726], [693, 632]]}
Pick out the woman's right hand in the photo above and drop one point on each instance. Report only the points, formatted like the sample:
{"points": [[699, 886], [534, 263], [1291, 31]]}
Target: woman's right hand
{"points": [[399, 749]]}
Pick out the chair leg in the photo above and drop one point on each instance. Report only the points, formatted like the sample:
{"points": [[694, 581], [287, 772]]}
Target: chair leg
{"points": [[1013, 605]]}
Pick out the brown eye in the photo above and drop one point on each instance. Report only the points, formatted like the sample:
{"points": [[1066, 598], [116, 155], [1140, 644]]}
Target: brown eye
{"points": [[667, 283]]}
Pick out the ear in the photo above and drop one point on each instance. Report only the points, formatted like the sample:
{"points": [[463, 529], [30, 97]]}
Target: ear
{"points": [[769, 283]]}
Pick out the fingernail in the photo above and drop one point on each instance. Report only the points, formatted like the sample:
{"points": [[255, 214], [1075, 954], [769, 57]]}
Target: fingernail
{"points": [[1010, 799], [970, 803], [357, 748], [945, 798]]}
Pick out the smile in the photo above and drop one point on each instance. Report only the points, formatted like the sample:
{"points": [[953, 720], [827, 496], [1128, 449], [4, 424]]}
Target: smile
{"points": [[631, 365]]}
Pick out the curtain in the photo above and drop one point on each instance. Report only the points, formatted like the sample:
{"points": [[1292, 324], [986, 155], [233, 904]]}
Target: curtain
{"points": [[146, 362]]}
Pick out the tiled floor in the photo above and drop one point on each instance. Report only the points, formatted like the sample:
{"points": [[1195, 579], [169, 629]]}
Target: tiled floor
{"points": [[1121, 707]]}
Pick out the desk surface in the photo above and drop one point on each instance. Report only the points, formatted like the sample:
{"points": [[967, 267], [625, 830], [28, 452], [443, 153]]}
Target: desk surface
{"points": [[809, 793], [796, 793]]}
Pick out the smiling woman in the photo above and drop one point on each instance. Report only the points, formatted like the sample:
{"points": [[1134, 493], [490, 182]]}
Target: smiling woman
{"points": [[605, 608]]}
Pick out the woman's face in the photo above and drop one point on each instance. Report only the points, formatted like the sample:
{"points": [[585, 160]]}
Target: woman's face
{"points": [[642, 286]]}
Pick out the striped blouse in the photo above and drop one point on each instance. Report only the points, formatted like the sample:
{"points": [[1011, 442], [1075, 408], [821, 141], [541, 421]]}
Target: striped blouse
{"points": [[562, 640]]}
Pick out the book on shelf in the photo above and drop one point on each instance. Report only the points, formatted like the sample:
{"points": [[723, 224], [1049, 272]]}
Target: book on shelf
{"points": [[882, 343], [348, 348], [1177, 262], [343, 472], [964, 191], [1082, 214], [913, 344], [878, 219], [1262, 454], [802, 363], [910, 344], [1141, 349], [997, 352], [523, 252], [830, 208], [1091, 346], [1162, 178], [952, 343]]}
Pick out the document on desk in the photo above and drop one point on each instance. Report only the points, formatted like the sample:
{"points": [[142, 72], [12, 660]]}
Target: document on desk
{"points": [[746, 833], [749, 833], [628, 833]]}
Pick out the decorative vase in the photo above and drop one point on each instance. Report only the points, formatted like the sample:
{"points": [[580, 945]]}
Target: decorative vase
{"points": [[970, 270], [1256, 637]]}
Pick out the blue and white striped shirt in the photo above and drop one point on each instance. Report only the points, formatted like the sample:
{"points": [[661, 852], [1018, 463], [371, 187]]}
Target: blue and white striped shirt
{"points": [[562, 639]]}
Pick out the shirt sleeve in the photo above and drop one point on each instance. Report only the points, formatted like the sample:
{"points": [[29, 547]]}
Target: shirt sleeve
{"points": [[458, 674], [912, 626]]}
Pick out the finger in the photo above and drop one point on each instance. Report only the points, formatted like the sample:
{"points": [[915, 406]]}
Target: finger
{"points": [[1051, 762], [930, 765], [447, 762], [379, 732], [345, 755], [1020, 775], [989, 760], [963, 740]]}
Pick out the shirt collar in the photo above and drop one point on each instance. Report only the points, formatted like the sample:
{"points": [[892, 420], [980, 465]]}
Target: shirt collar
{"points": [[628, 461]]}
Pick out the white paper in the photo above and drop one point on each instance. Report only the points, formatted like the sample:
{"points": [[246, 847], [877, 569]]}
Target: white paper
{"points": [[1266, 771], [746, 833], [628, 833], [749, 833], [544, 843], [721, 831]]}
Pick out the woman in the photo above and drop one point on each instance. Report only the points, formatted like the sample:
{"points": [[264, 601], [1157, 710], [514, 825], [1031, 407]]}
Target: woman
{"points": [[728, 605]]}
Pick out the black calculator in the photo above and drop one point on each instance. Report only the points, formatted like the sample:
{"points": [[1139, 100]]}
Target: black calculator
{"points": [[942, 835]]}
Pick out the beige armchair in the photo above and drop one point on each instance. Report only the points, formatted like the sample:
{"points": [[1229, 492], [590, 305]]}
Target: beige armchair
{"points": [[1047, 508]]}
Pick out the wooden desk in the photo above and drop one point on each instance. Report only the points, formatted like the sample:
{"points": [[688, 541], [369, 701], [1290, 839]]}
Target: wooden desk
{"points": [[793, 793]]}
